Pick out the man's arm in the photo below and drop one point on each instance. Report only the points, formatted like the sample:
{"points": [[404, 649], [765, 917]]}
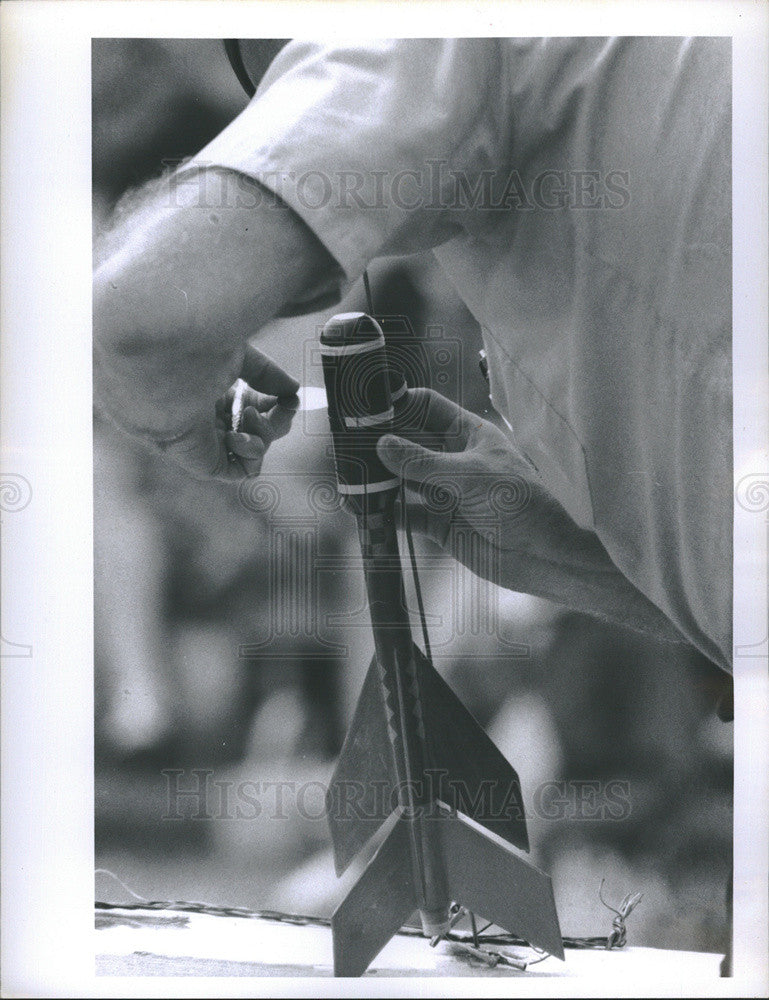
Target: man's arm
{"points": [[174, 305], [194, 270], [347, 136]]}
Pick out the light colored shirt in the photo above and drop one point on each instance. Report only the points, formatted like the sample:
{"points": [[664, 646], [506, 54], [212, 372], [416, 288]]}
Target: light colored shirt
{"points": [[578, 194]]}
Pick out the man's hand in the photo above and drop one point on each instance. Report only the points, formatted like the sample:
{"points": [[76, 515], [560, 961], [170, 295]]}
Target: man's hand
{"points": [[267, 414], [269, 405], [190, 274], [482, 501], [208, 446]]}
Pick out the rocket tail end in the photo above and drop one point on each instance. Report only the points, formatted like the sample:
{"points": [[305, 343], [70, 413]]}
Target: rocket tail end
{"points": [[487, 876], [376, 907]]}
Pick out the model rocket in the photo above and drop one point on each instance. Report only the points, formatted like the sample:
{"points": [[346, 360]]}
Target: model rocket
{"points": [[415, 763]]}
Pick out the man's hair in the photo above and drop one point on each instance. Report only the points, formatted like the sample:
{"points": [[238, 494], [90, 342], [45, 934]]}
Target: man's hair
{"points": [[108, 227], [250, 58]]}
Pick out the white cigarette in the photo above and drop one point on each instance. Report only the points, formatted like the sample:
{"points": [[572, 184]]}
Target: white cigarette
{"points": [[237, 404], [311, 397]]}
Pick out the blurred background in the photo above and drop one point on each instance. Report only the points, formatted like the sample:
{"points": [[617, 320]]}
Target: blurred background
{"points": [[231, 637]]}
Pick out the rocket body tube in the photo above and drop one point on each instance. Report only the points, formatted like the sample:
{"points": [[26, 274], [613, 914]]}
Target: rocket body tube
{"points": [[360, 407], [360, 389]]}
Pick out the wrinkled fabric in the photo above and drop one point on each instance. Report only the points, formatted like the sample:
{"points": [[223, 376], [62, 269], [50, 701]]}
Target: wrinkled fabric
{"points": [[578, 194]]}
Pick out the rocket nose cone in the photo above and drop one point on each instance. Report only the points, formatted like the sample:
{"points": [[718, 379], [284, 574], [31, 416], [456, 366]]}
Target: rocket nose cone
{"points": [[346, 329]]}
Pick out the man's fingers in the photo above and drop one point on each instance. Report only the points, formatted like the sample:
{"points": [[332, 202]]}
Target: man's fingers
{"points": [[432, 419], [248, 450], [263, 403], [210, 453], [265, 375], [257, 424], [266, 406], [411, 461], [270, 426], [247, 446]]}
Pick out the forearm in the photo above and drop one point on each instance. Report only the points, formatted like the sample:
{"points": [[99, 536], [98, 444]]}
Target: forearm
{"points": [[186, 280]]}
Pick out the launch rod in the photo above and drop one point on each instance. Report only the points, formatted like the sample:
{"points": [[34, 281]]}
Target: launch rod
{"points": [[360, 410]]}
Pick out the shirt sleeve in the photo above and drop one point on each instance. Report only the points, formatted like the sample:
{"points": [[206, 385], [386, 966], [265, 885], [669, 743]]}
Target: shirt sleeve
{"points": [[371, 143]]}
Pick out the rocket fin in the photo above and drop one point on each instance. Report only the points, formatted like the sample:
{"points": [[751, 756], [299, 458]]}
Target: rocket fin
{"points": [[486, 875], [360, 795], [476, 779], [375, 908]]}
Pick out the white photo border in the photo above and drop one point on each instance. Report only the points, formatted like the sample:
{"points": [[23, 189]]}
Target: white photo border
{"points": [[47, 693]]}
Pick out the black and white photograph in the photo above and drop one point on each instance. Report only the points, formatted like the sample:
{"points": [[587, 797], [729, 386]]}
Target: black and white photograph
{"points": [[420, 430]]}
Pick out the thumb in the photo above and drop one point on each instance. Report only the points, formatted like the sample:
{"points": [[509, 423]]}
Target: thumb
{"points": [[263, 374], [409, 460]]}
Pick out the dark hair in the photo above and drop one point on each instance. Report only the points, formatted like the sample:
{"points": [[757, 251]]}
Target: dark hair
{"points": [[251, 66]]}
